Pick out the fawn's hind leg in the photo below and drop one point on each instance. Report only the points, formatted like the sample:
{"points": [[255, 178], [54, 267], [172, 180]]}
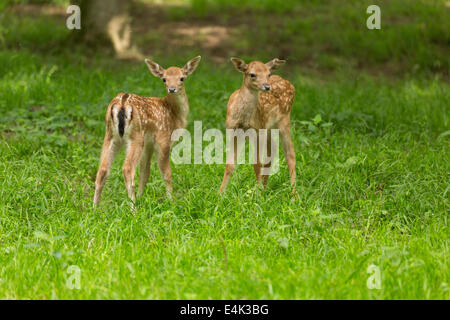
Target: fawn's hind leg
{"points": [[129, 167], [164, 166], [109, 150], [289, 154], [146, 160]]}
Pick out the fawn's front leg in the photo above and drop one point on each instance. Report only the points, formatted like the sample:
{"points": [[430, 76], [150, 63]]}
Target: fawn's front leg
{"points": [[231, 162], [257, 165], [129, 167], [109, 150], [267, 164]]}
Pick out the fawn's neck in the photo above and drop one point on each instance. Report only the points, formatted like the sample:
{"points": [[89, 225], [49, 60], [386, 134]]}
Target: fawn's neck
{"points": [[249, 103], [179, 105], [248, 113], [248, 96]]}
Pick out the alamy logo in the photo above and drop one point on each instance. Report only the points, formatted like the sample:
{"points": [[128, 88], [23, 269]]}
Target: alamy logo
{"points": [[263, 147], [374, 280], [74, 20], [374, 20], [73, 281]]}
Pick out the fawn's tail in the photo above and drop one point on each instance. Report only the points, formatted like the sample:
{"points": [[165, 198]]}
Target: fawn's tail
{"points": [[121, 115]]}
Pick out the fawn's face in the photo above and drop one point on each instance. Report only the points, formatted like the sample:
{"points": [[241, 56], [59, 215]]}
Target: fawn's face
{"points": [[173, 77], [256, 73]]}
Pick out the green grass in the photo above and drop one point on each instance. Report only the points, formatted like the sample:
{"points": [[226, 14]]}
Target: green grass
{"points": [[373, 188]]}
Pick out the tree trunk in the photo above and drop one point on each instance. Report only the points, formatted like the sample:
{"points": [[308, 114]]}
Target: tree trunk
{"points": [[107, 22]]}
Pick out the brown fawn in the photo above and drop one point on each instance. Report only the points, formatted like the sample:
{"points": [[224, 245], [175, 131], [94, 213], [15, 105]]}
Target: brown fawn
{"points": [[144, 124], [264, 101]]}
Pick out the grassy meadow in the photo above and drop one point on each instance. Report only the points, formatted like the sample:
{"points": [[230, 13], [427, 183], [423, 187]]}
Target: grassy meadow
{"points": [[371, 129]]}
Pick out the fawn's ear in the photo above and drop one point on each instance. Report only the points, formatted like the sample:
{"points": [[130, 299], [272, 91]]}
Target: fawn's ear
{"points": [[239, 64], [275, 64], [191, 65], [155, 68]]}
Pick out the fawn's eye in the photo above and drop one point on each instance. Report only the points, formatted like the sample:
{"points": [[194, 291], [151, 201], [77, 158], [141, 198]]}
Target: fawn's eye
{"points": [[182, 79], [164, 80], [253, 75]]}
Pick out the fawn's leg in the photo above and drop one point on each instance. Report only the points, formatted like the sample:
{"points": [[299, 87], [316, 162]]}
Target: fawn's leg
{"points": [[146, 161], [268, 155], [229, 167], [164, 167], [109, 150], [289, 154], [257, 165], [131, 161]]}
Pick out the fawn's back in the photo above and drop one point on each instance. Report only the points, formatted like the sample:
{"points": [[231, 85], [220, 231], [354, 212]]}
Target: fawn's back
{"points": [[131, 114], [276, 104]]}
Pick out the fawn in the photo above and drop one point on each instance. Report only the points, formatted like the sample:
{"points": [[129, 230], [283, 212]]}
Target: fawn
{"points": [[264, 101], [144, 124]]}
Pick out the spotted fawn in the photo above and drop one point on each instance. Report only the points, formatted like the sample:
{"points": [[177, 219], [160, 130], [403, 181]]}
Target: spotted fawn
{"points": [[143, 125], [264, 101]]}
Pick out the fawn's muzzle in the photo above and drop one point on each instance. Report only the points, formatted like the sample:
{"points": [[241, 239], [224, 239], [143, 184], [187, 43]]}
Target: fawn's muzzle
{"points": [[172, 90], [266, 86]]}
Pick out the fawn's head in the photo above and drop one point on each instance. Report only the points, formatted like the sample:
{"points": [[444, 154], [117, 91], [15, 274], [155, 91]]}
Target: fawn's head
{"points": [[256, 73], [173, 77]]}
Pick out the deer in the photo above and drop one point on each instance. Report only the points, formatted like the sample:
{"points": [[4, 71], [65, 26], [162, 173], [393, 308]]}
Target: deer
{"points": [[264, 101], [143, 125]]}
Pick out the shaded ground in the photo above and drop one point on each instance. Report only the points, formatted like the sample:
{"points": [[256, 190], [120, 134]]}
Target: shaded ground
{"points": [[325, 39]]}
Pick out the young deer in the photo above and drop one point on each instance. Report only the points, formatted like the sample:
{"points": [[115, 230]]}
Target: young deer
{"points": [[264, 101], [143, 123]]}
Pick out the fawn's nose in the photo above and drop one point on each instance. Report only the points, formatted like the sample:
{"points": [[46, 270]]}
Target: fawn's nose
{"points": [[172, 90], [266, 86]]}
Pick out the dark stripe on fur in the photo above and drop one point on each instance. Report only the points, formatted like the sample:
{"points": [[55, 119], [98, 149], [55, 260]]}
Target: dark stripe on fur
{"points": [[121, 115]]}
